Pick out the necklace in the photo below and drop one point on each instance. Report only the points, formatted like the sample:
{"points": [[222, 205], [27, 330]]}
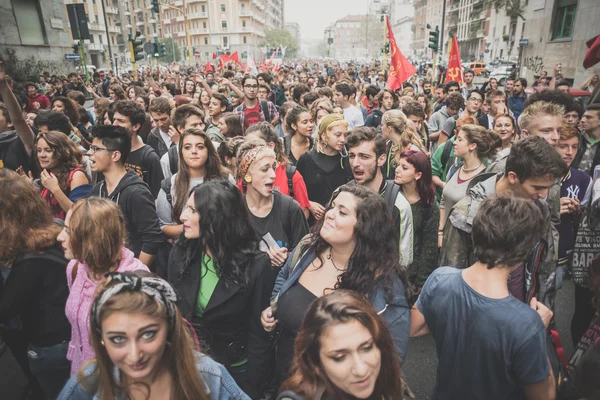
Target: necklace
{"points": [[471, 169], [330, 258]]}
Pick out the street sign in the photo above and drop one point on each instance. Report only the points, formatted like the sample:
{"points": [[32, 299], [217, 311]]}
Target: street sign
{"points": [[523, 42], [72, 56]]}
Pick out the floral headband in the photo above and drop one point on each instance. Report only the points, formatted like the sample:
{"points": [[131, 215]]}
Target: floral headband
{"points": [[154, 287], [255, 154]]}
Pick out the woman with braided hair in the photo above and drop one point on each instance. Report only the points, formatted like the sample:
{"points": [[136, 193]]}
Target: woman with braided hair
{"points": [[144, 348]]}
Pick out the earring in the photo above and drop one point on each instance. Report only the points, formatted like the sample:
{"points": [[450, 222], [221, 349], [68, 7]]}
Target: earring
{"points": [[102, 342], [248, 178], [228, 162]]}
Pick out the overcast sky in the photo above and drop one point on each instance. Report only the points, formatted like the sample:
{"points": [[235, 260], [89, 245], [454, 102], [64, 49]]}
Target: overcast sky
{"points": [[314, 16]]}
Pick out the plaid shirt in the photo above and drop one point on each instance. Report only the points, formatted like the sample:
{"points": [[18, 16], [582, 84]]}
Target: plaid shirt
{"points": [[241, 109]]}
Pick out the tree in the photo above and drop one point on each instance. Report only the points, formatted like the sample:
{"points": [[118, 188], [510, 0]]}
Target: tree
{"points": [[280, 37], [514, 8], [173, 52]]}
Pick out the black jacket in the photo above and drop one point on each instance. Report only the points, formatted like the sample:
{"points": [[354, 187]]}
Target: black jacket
{"points": [[583, 145], [156, 141], [374, 119], [133, 196], [232, 316], [36, 291]]}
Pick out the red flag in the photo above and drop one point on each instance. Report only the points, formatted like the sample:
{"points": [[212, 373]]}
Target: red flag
{"points": [[271, 59], [245, 68], [234, 57], [214, 55], [455, 70], [592, 57], [400, 68], [209, 67]]}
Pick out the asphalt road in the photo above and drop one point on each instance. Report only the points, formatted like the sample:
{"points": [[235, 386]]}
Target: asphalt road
{"points": [[421, 362]]}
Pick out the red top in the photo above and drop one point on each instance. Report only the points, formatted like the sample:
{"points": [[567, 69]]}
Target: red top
{"points": [[281, 185], [39, 98]]}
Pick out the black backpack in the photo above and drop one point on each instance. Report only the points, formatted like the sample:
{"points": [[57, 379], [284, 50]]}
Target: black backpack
{"points": [[165, 185], [264, 105], [173, 159], [290, 170], [390, 194]]}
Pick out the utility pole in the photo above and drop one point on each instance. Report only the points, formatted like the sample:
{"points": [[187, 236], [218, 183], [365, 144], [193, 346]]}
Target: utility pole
{"points": [[187, 29], [443, 34], [107, 34]]}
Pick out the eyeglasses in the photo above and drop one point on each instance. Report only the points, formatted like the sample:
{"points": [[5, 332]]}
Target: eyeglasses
{"points": [[251, 86], [475, 100], [94, 149]]}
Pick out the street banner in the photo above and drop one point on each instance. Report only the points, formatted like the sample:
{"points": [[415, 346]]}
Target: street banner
{"points": [[234, 57], [455, 69], [209, 67], [251, 66], [592, 56], [400, 68]]}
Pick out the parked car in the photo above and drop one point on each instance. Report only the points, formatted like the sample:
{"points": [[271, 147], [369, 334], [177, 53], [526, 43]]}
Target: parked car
{"points": [[501, 73], [477, 67]]}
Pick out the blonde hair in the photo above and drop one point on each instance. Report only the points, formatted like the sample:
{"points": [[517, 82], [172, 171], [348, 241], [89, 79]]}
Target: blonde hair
{"points": [[537, 109], [322, 103], [97, 234], [323, 137], [401, 125]]}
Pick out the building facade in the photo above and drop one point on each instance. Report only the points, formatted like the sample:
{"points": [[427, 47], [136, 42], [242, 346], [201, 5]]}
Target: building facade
{"points": [[357, 37], [469, 21], [33, 28], [504, 33], [294, 29], [402, 13], [556, 31], [419, 31]]}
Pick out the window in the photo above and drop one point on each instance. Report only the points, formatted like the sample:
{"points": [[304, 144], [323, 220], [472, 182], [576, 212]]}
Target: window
{"points": [[564, 19], [204, 24], [225, 41], [523, 30], [244, 39], [206, 41], [504, 30], [222, 7], [224, 24], [243, 23], [29, 21], [203, 9]]}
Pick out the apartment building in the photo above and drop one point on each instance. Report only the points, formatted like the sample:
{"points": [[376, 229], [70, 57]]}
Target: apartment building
{"points": [[222, 25], [402, 18], [469, 21], [419, 30], [294, 29]]}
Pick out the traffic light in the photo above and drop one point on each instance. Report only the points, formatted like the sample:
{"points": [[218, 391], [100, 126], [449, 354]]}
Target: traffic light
{"points": [[163, 50], [155, 6], [155, 52], [434, 38], [135, 47], [76, 48]]}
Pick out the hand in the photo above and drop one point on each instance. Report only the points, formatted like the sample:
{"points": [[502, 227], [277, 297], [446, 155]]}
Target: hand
{"points": [[36, 105], [278, 256], [267, 320], [28, 176], [49, 181], [199, 79], [173, 134], [440, 241], [568, 205], [317, 209], [541, 309], [281, 77], [558, 69], [224, 82]]}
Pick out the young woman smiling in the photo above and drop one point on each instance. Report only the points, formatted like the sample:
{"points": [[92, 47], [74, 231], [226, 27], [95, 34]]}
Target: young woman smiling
{"points": [[326, 167], [223, 281], [277, 219], [506, 127], [144, 349], [63, 173], [351, 247], [343, 351], [299, 125], [198, 163]]}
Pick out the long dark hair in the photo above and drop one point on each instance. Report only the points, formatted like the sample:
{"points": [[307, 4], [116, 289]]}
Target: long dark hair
{"points": [[225, 230], [70, 110], [308, 377], [425, 185], [214, 170], [375, 257]]}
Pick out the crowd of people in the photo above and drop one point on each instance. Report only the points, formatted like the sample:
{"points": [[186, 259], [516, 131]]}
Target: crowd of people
{"points": [[221, 235]]}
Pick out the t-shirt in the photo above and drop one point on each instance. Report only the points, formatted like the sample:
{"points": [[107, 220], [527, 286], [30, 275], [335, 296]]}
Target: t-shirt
{"points": [[164, 209], [252, 116], [146, 164], [354, 117], [208, 283], [487, 348], [323, 174]]}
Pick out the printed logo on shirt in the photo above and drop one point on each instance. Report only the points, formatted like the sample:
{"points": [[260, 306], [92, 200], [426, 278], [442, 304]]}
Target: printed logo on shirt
{"points": [[135, 168], [573, 192]]}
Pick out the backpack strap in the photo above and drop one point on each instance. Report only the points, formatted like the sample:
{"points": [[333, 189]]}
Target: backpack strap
{"points": [[52, 255], [264, 105], [173, 159], [165, 185], [285, 204], [446, 154], [290, 170], [390, 194]]}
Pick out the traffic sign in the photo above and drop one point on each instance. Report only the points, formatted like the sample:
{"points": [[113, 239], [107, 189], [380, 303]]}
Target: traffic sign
{"points": [[523, 42], [72, 56]]}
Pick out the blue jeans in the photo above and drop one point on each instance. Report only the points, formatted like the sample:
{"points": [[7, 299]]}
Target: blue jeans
{"points": [[50, 366]]}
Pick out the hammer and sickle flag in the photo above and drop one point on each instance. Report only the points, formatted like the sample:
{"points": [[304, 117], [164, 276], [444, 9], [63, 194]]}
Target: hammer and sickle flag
{"points": [[455, 70], [400, 68]]}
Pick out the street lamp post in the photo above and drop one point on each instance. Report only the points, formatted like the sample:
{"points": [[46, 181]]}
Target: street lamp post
{"points": [[187, 28]]}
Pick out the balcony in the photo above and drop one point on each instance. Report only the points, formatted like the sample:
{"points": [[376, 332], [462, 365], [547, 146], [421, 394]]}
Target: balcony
{"points": [[245, 13], [166, 21], [196, 1], [112, 10], [139, 23], [205, 30], [180, 18], [95, 27], [127, 13], [152, 21], [155, 34], [114, 29], [224, 30], [128, 26], [95, 47], [181, 34], [178, 3], [138, 10], [454, 7], [477, 15]]}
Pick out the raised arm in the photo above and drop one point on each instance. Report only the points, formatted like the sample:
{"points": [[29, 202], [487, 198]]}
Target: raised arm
{"points": [[16, 114]]}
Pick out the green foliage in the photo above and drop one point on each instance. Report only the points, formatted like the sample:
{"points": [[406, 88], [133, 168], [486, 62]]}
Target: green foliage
{"points": [[29, 69], [514, 8], [280, 37], [172, 51]]}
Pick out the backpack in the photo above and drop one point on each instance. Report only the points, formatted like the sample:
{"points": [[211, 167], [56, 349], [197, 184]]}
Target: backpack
{"points": [[165, 185], [446, 155], [286, 203], [173, 159], [290, 170], [4, 147], [264, 106]]}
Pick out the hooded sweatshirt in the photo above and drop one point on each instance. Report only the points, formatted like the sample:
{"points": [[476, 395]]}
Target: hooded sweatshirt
{"points": [[374, 118], [79, 304], [12, 152], [133, 196]]}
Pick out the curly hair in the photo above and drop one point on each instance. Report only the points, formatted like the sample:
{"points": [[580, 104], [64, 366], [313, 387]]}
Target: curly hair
{"points": [[69, 109], [65, 153]]}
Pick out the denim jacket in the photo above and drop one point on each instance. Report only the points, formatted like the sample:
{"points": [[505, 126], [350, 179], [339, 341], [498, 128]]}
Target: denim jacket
{"points": [[218, 384], [394, 309]]}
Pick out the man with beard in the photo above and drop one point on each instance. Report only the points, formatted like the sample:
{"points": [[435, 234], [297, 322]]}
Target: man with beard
{"points": [[427, 89], [367, 155], [252, 111]]}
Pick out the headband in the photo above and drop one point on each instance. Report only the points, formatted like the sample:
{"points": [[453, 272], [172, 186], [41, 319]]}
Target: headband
{"points": [[156, 288], [251, 156], [328, 120]]}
